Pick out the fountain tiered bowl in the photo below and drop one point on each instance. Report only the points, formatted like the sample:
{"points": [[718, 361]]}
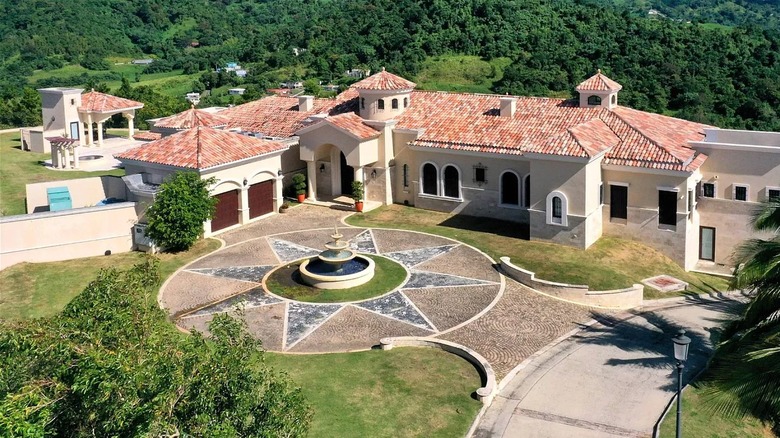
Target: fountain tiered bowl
{"points": [[338, 267]]}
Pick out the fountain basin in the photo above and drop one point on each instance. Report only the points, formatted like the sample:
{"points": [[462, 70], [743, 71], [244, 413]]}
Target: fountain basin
{"points": [[323, 275]]}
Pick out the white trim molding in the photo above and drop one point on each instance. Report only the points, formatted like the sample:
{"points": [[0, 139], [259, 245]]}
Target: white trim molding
{"points": [[564, 219]]}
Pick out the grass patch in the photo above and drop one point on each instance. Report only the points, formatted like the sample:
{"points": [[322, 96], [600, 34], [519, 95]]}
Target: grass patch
{"points": [[610, 263], [461, 73], [19, 168], [286, 281], [699, 422], [34, 290], [404, 392]]}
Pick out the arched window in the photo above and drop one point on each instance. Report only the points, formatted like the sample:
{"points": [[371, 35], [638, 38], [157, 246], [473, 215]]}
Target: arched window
{"points": [[557, 209], [451, 182], [406, 175], [510, 188], [527, 192], [614, 99], [362, 103], [380, 104], [394, 103], [594, 100], [406, 102], [429, 179]]}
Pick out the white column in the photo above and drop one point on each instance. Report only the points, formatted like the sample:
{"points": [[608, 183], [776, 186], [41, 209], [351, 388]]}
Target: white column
{"points": [[90, 139], [66, 159], [278, 196], [243, 204], [130, 126], [311, 170], [100, 134], [75, 157], [360, 175]]}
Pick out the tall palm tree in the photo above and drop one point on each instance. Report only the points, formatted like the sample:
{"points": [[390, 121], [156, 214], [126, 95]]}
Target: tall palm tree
{"points": [[745, 372]]}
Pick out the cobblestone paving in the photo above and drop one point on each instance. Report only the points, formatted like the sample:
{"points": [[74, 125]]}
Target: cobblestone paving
{"points": [[449, 284], [521, 323]]}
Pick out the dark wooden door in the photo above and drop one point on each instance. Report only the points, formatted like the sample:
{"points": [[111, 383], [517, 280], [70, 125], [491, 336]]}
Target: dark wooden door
{"points": [[347, 176], [618, 202], [227, 210], [261, 198], [667, 207]]}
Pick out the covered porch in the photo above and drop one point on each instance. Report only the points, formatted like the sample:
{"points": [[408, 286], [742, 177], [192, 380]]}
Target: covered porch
{"points": [[97, 107]]}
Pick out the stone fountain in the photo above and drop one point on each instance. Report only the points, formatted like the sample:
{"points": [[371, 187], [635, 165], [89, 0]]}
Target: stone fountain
{"points": [[338, 267]]}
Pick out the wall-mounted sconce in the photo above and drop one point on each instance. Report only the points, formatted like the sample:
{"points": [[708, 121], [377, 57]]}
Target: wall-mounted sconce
{"points": [[322, 168], [73, 101], [373, 174], [279, 172], [52, 118], [245, 182]]}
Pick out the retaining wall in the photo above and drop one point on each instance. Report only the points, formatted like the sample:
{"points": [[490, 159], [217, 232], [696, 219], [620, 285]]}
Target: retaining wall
{"points": [[618, 298]]}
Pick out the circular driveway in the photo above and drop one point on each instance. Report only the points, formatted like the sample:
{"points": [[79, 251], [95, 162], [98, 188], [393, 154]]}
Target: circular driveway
{"points": [[449, 284]]}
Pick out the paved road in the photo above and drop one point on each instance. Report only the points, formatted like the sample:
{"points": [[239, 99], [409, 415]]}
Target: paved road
{"points": [[613, 379]]}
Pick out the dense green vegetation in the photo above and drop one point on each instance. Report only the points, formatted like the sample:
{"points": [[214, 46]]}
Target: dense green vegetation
{"points": [[724, 12], [723, 76], [111, 365]]}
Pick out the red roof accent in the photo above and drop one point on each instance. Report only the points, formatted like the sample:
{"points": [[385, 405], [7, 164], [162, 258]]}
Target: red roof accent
{"points": [[599, 82], [353, 124], [277, 116], [384, 81], [190, 119], [97, 102], [584, 140], [201, 148], [147, 136]]}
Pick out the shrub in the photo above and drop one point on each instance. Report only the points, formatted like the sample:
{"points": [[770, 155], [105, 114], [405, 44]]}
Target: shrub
{"points": [[299, 184]]}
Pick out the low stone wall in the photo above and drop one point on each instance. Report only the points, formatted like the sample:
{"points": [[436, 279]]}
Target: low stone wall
{"points": [[619, 298], [68, 234], [84, 192], [489, 387]]}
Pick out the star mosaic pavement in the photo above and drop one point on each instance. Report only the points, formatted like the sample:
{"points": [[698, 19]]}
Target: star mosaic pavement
{"points": [[301, 320]]}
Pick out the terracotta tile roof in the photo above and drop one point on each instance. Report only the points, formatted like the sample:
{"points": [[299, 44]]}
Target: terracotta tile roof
{"points": [[201, 148], [384, 81], [147, 136], [471, 122], [191, 118], [97, 102], [277, 116], [599, 82], [353, 124]]}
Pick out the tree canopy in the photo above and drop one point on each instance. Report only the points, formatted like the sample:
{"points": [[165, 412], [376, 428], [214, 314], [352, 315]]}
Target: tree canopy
{"points": [[111, 365]]}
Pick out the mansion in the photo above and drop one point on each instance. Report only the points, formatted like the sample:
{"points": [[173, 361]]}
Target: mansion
{"points": [[570, 171]]}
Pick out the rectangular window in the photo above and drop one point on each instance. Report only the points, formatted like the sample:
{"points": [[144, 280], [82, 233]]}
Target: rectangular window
{"points": [[690, 201], [740, 193], [74, 130], [773, 193], [601, 193], [480, 174], [406, 175], [667, 208], [618, 202], [708, 190], [707, 243]]}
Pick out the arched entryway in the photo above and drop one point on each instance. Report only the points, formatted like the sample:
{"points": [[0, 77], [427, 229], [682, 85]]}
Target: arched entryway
{"points": [[347, 175]]}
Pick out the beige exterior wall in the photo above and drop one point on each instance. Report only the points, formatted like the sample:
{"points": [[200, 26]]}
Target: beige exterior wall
{"points": [[59, 108], [84, 192], [66, 235], [725, 168], [369, 104]]}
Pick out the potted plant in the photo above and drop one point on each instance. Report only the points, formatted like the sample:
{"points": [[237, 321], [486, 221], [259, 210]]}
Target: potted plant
{"points": [[283, 208], [299, 184], [357, 195]]}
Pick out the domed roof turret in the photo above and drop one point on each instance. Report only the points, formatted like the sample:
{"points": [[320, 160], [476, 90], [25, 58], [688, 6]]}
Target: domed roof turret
{"points": [[599, 82], [384, 81]]}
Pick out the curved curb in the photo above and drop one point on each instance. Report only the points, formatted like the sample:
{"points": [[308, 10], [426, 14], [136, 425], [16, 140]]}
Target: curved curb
{"points": [[489, 388]]}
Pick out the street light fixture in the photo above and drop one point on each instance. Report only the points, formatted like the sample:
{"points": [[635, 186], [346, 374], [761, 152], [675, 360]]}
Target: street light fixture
{"points": [[681, 345]]}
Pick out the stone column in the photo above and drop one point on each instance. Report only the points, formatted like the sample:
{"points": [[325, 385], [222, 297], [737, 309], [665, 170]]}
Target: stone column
{"points": [[90, 138], [75, 157], [311, 170], [100, 134], [130, 126]]}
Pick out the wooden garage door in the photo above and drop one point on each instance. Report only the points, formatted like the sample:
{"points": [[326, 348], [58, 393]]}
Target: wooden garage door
{"points": [[227, 210], [261, 198]]}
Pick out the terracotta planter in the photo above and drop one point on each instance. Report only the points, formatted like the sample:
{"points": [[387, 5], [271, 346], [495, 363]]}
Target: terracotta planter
{"points": [[301, 198], [359, 206]]}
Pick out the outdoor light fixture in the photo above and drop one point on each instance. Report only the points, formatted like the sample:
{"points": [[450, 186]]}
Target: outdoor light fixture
{"points": [[279, 172], [681, 345], [322, 168], [245, 182], [373, 174]]}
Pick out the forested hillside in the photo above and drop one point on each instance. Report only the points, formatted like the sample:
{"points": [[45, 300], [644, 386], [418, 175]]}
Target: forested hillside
{"points": [[764, 13], [724, 76]]}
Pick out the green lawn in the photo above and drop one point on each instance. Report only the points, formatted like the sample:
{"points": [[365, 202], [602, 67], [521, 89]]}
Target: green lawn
{"points": [[286, 282], [698, 422], [34, 290], [404, 392], [610, 263], [461, 73], [19, 168]]}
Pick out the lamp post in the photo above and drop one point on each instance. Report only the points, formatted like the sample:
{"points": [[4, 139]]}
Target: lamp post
{"points": [[681, 344]]}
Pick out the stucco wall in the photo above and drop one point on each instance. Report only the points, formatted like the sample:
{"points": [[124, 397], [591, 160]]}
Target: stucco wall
{"points": [[84, 192], [65, 235], [369, 108], [731, 220], [725, 168]]}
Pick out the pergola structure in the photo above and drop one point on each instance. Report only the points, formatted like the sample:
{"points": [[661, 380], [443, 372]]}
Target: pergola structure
{"points": [[97, 107], [64, 152]]}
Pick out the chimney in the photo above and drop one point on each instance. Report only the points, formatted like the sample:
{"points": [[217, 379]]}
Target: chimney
{"points": [[508, 106], [305, 103]]}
